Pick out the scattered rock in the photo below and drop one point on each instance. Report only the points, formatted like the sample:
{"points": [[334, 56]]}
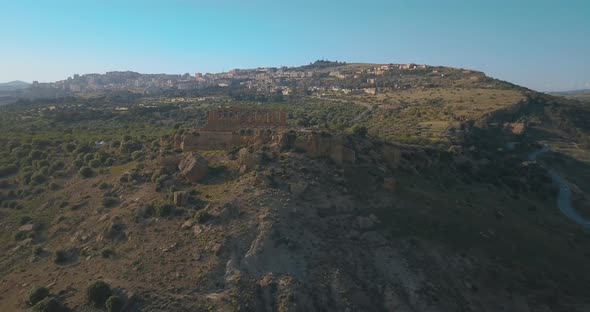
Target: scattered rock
{"points": [[198, 230], [30, 227]]}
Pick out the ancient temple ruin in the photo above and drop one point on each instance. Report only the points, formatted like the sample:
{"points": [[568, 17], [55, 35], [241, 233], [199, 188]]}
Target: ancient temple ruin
{"points": [[232, 119], [228, 128]]}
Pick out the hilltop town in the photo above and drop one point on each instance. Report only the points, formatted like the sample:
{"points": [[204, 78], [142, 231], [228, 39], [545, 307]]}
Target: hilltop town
{"points": [[320, 77]]}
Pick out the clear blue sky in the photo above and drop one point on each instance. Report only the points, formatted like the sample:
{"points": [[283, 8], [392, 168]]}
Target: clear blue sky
{"points": [[544, 45]]}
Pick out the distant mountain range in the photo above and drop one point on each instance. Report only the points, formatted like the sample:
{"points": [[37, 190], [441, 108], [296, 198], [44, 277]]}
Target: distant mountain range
{"points": [[14, 85]]}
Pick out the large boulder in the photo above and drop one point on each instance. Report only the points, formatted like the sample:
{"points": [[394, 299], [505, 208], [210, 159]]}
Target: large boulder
{"points": [[194, 167]]}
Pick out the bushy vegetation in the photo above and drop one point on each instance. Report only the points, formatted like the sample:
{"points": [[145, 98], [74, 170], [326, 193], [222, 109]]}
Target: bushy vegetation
{"points": [[60, 256], [163, 209], [98, 292], [85, 172], [115, 304], [37, 294], [49, 304]]}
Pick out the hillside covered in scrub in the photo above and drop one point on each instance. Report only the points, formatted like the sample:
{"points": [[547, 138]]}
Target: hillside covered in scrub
{"points": [[440, 209]]}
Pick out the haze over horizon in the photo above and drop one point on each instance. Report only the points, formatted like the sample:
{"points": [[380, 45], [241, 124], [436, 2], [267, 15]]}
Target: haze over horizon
{"points": [[537, 44]]}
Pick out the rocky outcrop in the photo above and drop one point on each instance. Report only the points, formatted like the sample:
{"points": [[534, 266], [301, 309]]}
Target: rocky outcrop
{"points": [[177, 141], [248, 160], [194, 167]]}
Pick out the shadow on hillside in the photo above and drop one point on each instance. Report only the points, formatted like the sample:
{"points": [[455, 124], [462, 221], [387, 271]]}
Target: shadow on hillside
{"points": [[219, 175]]}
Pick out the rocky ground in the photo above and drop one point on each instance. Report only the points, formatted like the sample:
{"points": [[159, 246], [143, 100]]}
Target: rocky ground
{"points": [[249, 230]]}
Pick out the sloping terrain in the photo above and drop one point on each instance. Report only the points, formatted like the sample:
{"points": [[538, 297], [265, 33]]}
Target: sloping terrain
{"points": [[94, 190]]}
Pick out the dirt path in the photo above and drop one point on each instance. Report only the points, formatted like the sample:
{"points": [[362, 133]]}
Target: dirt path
{"points": [[564, 199]]}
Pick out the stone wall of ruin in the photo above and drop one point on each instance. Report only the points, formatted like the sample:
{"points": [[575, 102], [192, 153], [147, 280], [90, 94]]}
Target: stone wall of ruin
{"points": [[215, 140]]}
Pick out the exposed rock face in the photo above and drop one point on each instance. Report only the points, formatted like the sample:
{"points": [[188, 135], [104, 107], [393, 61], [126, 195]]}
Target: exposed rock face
{"points": [[248, 160], [178, 141], [321, 144], [194, 167]]}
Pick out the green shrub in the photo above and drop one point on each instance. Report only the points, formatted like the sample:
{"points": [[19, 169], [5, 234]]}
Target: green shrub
{"points": [[88, 157], [38, 250], [161, 179], [137, 155], [115, 304], [100, 156], [359, 130], [78, 163], [37, 294], [58, 165], [36, 155], [107, 253], [98, 292], [24, 220], [103, 185], [202, 216], [49, 304], [19, 236], [164, 209], [85, 172], [109, 201], [129, 147], [70, 147], [94, 163], [38, 178], [60, 256], [8, 169], [54, 186]]}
